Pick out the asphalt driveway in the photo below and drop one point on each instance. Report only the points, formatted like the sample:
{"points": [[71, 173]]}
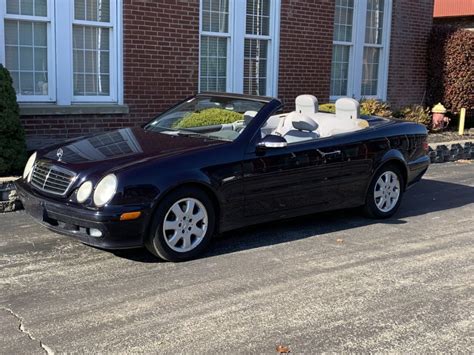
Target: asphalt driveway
{"points": [[329, 282]]}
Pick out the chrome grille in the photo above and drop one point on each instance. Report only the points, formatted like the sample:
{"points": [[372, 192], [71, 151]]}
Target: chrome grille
{"points": [[51, 178]]}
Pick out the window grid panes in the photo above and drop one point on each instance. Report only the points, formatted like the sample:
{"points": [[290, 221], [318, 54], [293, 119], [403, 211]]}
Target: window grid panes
{"points": [[213, 63], [255, 66], [343, 26], [237, 50], [91, 49], [213, 60], [256, 50], [343, 20], [370, 70], [258, 17], [374, 22], [26, 56], [39, 39], [91, 57], [372, 48], [359, 63], [92, 10], [27, 7], [215, 16], [340, 70]]}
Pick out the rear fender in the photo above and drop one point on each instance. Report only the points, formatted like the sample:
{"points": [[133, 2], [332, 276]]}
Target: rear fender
{"points": [[395, 157]]}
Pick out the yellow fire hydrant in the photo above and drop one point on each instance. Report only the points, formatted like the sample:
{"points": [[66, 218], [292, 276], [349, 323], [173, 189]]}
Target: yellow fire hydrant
{"points": [[440, 121]]}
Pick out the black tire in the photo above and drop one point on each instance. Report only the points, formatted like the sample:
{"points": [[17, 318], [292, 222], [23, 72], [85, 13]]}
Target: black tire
{"points": [[156, 242], [371, 209]]}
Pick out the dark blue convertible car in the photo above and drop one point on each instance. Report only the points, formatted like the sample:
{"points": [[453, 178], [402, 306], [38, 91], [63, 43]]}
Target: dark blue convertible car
{"points": [[217, 162]]}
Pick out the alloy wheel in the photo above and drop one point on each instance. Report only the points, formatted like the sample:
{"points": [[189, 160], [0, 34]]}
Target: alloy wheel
{"points": [[185, 225], [387, 191]]}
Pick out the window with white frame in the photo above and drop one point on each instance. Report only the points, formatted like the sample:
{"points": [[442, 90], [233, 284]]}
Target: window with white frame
{"points": [[63, 51], [257, 39], [214, 45], [361, 48], [28, 53], [239, 46]]}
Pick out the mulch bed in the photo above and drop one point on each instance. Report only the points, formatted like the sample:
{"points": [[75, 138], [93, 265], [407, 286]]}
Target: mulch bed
{"points": [[449, 136]]}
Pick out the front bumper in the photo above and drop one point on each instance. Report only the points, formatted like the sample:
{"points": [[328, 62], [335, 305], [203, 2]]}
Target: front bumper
{"points": [[76, 222]]}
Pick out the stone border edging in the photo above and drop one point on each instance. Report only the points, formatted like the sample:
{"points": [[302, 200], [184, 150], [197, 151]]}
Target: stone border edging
{"points": [[9, 201], [451, 151]]}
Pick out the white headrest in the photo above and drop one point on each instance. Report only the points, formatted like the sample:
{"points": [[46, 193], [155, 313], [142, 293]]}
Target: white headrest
{"points": [[307, 104], [302, 122], [347, 108]]}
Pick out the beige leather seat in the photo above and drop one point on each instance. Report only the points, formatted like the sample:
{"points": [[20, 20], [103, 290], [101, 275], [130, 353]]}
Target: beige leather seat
{"points": [[347, 108], [303, 128], [307, 104], [346, 119]]}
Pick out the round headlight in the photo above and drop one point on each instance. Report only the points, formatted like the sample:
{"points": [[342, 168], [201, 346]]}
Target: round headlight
{"points": [[84, 192], [29, 166], [105, 190]]}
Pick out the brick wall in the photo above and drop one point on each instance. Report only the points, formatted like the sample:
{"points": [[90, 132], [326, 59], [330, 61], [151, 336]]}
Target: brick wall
{"points": [[411, 26], [305, 49], [161, 58]]}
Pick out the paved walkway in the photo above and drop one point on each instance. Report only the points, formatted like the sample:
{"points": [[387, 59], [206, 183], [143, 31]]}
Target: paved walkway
{"points": [[331, 282]]}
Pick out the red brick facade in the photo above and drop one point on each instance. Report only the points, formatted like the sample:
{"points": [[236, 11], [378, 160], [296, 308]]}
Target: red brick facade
{"points": [[305, 49], [411, 26], [161, 60]]}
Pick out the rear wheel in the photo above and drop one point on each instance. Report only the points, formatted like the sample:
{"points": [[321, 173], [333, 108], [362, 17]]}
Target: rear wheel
{"points": [[385, 193], [183, 225]]}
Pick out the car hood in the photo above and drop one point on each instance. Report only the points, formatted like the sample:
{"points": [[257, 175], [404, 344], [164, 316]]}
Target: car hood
{"points": [[124, 146]]}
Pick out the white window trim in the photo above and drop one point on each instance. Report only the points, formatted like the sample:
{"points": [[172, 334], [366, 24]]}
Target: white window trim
{"points": [[111, 25], [236, 44], [228, 35], [60, 71], [354, 86], [50, 40]]}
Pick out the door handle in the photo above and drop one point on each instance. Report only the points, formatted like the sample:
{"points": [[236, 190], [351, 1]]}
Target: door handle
{"points": [[329, 154]]}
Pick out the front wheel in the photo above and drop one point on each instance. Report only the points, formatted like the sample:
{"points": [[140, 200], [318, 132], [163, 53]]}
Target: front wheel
{"points": [[183, 225], [385, 193]]}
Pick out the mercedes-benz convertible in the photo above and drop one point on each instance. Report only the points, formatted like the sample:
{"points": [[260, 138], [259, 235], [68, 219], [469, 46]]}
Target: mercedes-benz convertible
{"points": [[217, 162]]}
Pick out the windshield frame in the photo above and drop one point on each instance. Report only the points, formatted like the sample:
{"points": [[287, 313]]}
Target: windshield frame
{"points": [[261, 99]]}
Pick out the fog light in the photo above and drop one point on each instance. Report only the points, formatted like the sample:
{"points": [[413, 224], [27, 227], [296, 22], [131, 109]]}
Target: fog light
{"points": [[93, 232]]}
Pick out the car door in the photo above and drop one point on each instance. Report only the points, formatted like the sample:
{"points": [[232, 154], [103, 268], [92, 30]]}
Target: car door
{"points": [[295, 179], [355, 173]]}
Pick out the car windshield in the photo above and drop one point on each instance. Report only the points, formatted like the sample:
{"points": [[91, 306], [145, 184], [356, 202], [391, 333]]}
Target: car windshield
{"points": [[213, 117]]}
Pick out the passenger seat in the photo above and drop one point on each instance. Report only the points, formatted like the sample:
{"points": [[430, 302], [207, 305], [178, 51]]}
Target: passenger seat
{"points": [[303, 128]]}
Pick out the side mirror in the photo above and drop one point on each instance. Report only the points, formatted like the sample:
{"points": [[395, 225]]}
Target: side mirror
{"points": [[271, 142]]}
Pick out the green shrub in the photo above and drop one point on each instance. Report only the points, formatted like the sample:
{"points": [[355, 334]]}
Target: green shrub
{"points": [[12, 136], [209, 117], [415, 113], [372, 107], [331, 108], [450, 68], [369, 107]]}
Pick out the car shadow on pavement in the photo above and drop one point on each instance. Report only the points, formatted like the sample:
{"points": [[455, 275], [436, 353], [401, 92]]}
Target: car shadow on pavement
{"points": [[426, 197]]}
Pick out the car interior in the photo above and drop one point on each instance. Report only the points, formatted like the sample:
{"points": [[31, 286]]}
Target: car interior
{"points": [[305, 123]]}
